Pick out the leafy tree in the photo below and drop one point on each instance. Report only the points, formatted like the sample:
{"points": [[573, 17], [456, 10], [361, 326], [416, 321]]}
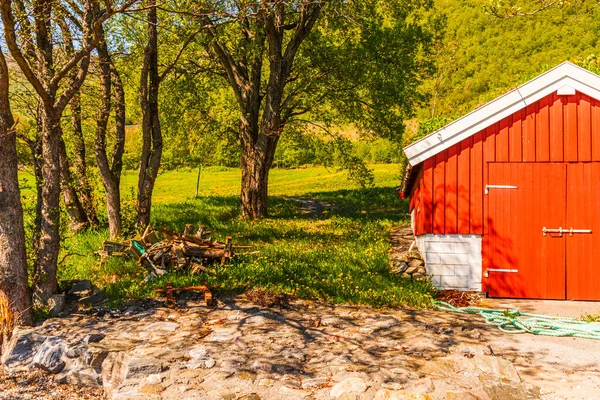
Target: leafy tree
{"points": [[32, 31], [296, 62]]}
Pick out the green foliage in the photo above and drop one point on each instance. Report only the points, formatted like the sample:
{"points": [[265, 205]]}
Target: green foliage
{"points": [[483, 56], [339, 255], [590, 317]]}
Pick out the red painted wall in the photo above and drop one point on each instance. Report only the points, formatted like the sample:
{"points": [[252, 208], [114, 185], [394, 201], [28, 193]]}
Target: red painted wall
{"points": [[448, 195]]}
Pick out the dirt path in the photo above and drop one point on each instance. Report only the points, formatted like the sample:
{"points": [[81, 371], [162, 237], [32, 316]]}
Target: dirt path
{"points": [[311, 207]]}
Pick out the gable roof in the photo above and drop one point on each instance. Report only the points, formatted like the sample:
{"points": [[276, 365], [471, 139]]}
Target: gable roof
{"points": [[564, 79]]}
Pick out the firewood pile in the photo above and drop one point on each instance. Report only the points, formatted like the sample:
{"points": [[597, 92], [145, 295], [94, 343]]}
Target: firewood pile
{"points": [[166, 251]]}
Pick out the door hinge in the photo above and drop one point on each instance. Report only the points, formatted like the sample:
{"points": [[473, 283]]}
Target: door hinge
{"points": [[486, 273]]}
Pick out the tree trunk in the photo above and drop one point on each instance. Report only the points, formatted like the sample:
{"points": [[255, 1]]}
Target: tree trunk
{"points": [[13, 258], [151, 131], [49, 243], [80, 164], [77, 215], [257, 159], [113, 196], [35, 145], [110, 172]]}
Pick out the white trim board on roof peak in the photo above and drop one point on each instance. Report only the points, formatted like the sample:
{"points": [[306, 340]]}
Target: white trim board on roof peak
{"points": [[563, 79]]}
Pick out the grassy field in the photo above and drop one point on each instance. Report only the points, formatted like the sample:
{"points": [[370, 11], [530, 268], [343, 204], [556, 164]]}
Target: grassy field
{"points": [[339, 255]]}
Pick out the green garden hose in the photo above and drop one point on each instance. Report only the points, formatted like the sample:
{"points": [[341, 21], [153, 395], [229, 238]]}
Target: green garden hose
{"points": [[514, 321]]}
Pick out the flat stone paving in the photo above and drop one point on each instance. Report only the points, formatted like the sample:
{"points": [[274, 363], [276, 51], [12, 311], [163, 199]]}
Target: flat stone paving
{"points": [[239, 350], [559, 308]]}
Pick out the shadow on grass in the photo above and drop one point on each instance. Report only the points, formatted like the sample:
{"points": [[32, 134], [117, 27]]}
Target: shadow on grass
{"points": [[339, 255], [361, 204]]}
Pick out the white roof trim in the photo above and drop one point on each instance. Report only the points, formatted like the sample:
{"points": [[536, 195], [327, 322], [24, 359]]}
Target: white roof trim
{"points": [[565, 75]]}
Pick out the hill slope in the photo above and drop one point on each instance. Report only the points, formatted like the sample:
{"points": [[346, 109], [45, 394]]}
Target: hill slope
{"points": [[485, 56]]}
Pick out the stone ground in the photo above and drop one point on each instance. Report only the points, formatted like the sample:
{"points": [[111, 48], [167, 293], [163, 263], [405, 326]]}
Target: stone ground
{"points": [[241, 350]]}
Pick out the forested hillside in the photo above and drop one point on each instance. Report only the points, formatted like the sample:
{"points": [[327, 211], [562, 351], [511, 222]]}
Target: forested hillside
{"points": [[483, 56]]}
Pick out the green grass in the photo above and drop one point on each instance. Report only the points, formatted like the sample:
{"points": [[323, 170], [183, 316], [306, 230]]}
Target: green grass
{"points": [[339, 256]]}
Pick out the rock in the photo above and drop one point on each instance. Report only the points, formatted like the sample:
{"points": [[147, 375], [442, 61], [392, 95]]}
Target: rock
{"points": [[347, 386], [422, 271], [415, 263], [510, 391], [200, 359], [266, 382], [219, 337], [251, 396], [385, 394], [392, 385], [314, 382], [94, 338], [154, 379], [152, 388], [400, 267], [96, 297], [87, 377], [246, 375], [49, 356], [291, 393], [411, 270], [162, 326], [142, 367], [417, 275], [424, 385], [497, 367], [261, 366], [292, 353], [56, 304], [80, 288], [21, 348]]}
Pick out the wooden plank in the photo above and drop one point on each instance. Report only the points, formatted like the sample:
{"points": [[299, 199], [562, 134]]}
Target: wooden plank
{"points": [[476, 185], [570, 128], [439, 192], [557, 129], [529, 132], [489, 155], [464, 194], [496, 225], [415, 208], [542, 131], [427, 196], [582, 271], [451, 198], [515, 137], [595, 130], [584, 136], [502, 141], [419, 210], [490, 143]]}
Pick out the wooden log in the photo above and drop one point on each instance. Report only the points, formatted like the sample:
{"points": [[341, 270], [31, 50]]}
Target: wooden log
{"points": [[180, 254], [112, 247], [228, 250], [188, 230], [204, 253], [195, 240], [150, 239]]}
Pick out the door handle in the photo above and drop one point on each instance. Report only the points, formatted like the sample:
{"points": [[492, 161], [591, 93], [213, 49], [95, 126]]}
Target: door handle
{"points": [[572, 231], [560, 231]]}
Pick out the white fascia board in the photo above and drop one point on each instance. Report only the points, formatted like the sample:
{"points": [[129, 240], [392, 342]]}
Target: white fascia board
{"points": [[565, 74]]}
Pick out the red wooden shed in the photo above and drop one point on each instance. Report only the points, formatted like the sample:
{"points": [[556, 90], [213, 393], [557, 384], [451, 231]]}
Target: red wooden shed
{"points": [[506, 200]]}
